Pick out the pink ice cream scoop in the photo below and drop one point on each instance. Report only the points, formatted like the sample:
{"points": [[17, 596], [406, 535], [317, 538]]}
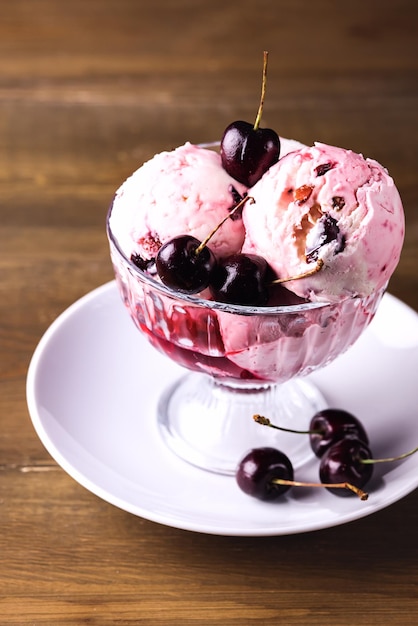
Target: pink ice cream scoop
{"points": [[331, 205], [182, 192]]}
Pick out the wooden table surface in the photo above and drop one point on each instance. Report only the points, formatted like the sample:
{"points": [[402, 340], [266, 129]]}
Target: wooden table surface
{"points": [[88, 90]]}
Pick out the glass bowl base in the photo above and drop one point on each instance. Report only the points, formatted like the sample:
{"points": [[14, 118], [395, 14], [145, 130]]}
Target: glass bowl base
{"points": [[210, 424]]}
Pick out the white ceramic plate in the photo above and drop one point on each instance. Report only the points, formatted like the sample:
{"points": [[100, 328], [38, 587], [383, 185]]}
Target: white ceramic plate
{"points": [[92, 390]]}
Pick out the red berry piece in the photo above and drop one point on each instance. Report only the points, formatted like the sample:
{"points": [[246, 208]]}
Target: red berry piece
{"points": [[321, 170], [325, 230], [146, 265]]}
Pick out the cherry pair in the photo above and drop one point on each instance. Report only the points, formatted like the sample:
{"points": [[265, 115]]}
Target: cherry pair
{"points": [[340, 441], [189, 266]]}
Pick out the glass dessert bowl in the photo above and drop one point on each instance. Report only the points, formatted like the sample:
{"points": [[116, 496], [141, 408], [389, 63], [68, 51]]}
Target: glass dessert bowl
{"points": [[241, 361]]}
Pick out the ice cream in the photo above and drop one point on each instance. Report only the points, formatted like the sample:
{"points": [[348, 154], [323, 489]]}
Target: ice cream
{"points": [[329, 204], [315, 204], [184, 191]]}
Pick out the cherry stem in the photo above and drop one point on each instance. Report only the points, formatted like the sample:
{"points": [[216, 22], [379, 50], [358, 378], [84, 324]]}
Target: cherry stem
{"points": [[389, 459], [204, 243], [264, 421], [293, 483], [263, 91], [319, 265]]}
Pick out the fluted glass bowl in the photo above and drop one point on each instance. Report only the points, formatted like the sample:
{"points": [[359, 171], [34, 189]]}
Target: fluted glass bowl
{"points": [[241, 361]]}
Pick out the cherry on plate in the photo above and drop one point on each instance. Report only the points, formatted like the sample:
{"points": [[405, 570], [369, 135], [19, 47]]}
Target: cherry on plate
{"points": [[259, 468], [344, 462], [330, 425]]}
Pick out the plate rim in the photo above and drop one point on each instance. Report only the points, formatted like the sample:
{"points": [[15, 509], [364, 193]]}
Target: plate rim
{"points": [[34, 370]]}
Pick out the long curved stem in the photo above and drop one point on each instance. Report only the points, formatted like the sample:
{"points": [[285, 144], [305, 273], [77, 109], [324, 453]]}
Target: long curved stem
{"points": [[264, 421], [294, 483], [319, 265], [217, 227], [389, 459], [263, 91]]}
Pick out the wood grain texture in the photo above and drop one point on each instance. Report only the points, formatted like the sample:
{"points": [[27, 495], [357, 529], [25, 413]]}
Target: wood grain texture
{"points": [[88, 90]]}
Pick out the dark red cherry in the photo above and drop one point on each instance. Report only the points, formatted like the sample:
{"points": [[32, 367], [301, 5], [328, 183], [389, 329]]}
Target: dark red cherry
{"points": [[331, 425], [181, 266], [280, 296], [241, 279], [248, 152], [343, 462], [258, 469]]}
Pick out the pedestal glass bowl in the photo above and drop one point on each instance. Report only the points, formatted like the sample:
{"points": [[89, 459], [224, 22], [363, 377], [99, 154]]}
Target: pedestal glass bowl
{"points": [[240, 361]]}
